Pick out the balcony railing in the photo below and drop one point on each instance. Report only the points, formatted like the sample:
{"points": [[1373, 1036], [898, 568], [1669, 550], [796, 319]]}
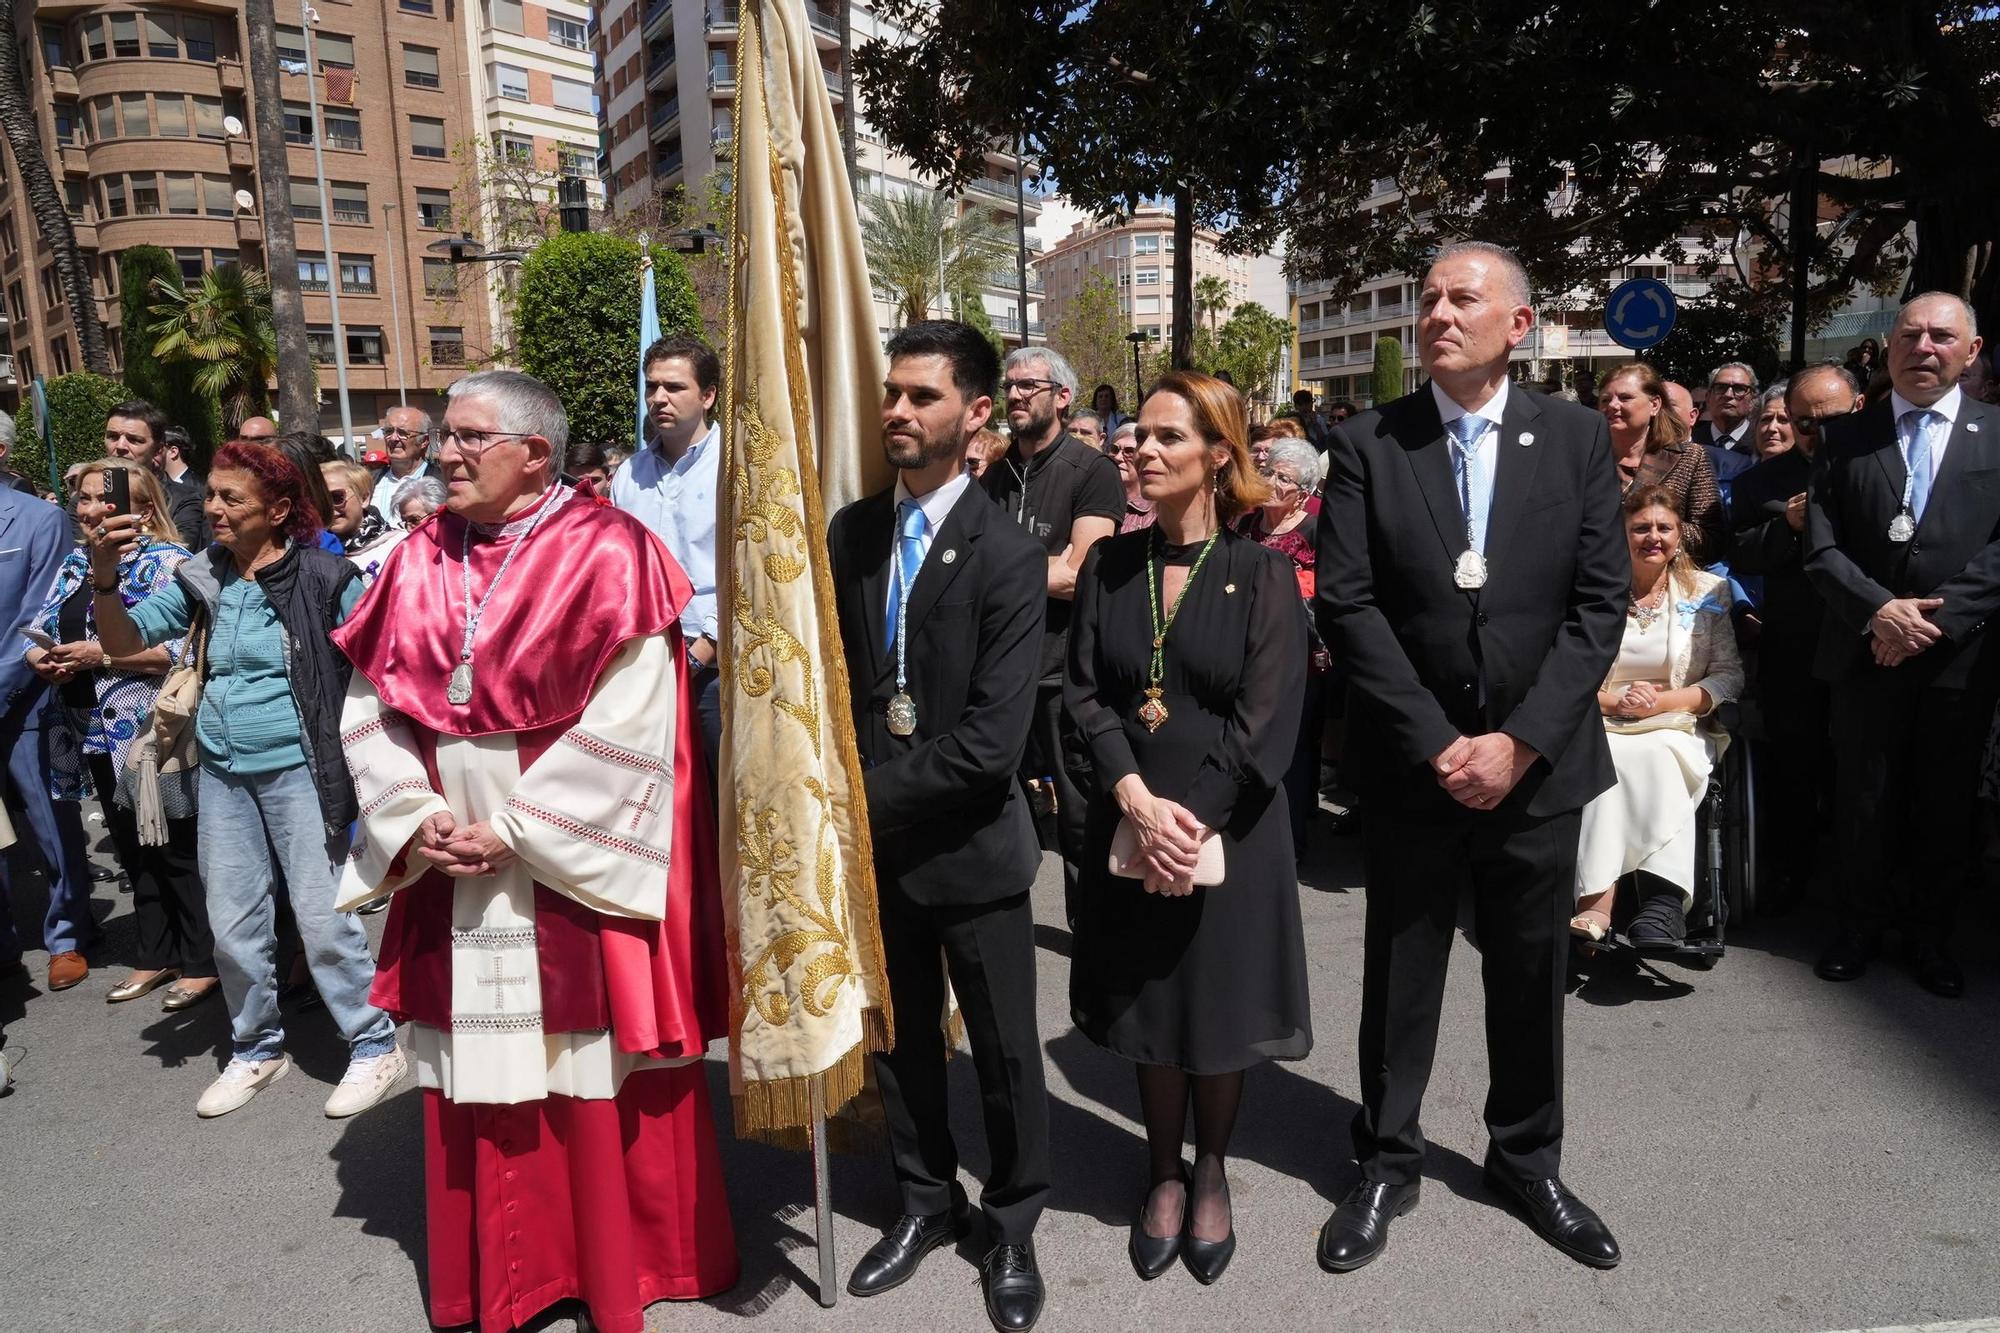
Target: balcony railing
{"points": [[987, 185], [835, 84], [1012, 324], [825, 22], [721, 78], [667, 164], [720, 18], [6, 367], [656, 11], [659, 63], [667, 112]]}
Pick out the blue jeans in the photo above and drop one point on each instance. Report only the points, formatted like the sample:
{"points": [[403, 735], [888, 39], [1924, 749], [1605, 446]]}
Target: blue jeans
{"points": [[248, 822], [54, 829]]}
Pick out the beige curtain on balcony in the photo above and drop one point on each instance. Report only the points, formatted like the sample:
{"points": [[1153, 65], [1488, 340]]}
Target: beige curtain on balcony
{"points": [[801, 438]]}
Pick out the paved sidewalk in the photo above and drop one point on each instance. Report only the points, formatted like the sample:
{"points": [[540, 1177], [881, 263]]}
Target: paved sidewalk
{"points": [[1773, 1152]]}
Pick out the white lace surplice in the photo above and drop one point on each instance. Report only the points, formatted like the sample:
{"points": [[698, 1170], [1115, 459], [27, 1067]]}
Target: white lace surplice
{"points": [[592, 819]]}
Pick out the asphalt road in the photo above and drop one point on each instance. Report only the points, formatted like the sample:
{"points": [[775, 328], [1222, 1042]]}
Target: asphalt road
{"points": [[1774, 1153]]}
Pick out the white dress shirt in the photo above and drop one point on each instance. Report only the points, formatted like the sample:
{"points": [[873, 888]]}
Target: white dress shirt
{"points": [[383, 499], [1483, 460], [937, 507], [677, 501], [1946, 407]]}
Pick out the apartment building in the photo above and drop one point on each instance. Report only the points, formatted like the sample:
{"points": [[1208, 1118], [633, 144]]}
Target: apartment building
{"points": [[1136, 255], [668, 86], [147, 120]]}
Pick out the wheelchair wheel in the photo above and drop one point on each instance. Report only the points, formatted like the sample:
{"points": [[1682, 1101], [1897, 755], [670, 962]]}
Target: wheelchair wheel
{"points": [[1740, 831]]}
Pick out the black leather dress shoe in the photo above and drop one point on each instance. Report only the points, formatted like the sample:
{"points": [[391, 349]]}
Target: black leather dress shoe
{"points": [[1358, 1231], [1936, 972], [1154, 1255], [1013, 1287], [1207, 1259], [1846, 958], [1563, 1220], [893, 1260]]}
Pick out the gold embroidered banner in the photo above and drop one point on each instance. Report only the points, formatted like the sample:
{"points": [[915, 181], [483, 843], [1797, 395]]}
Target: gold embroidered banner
{"points": [[801, 437]]}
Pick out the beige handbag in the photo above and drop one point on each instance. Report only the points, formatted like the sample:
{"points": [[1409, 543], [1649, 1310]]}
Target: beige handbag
{"points": [[1125, 862], [159, 778]]}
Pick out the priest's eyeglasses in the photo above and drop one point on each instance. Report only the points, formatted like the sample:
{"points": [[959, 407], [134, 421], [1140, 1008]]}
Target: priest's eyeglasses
{"points": [[473, 443]]}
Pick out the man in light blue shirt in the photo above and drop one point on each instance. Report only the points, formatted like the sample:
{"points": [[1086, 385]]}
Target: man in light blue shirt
{"points": [[670, 487]]}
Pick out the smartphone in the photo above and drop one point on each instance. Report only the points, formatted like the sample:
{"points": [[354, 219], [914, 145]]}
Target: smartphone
{"points": [[118, 489]]}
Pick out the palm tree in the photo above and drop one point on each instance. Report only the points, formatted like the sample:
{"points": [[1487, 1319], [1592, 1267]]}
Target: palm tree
{"points": [[1211, 299], [298, 386], [18, 117], [920, 248], [222, 327]]}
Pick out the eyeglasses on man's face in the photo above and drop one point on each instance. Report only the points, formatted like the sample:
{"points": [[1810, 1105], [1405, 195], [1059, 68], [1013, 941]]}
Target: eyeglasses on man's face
{"points": [[1726, 387], [402, 433], [473, 443], [1025, 388]]}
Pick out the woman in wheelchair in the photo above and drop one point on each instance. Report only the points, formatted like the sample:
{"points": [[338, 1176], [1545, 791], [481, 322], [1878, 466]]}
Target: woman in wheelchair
{"points": [[1677, 662]]}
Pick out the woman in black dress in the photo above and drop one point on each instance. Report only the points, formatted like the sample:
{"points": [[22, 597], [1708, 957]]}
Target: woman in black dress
{"points": [[1186, 672]]}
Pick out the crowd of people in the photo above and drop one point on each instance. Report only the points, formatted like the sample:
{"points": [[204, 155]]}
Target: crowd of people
{"points": [[1505, 620]]}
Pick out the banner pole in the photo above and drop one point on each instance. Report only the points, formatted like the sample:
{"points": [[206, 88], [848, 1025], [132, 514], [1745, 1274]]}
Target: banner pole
{"points": [[829, 1287]]}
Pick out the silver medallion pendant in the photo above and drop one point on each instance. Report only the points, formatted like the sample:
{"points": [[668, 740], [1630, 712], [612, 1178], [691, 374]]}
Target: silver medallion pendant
{"points": [[1470, 571], [1902, 527], [459, 691], [902, 715]]}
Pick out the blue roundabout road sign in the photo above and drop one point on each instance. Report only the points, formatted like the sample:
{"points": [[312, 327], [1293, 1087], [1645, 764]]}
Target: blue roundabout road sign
{"points": [[1640, 313]]}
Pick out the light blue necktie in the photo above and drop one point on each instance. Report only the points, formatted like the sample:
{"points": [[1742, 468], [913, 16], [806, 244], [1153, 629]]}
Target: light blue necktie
{"points": [[910, 556], [1466, 432], [1921, 450]]}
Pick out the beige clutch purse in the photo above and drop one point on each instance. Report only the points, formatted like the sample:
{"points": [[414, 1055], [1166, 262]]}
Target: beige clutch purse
{"points": [[1125, 861]]}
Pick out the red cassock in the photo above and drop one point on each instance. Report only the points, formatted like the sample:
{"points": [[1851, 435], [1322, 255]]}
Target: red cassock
{"points": [[616, 1200]]}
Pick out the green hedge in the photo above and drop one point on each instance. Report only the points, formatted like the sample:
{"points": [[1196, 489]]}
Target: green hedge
{"points": [[577, 326], [77, 406]]}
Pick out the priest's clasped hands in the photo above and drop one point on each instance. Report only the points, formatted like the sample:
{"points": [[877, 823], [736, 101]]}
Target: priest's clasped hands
{"points": [[460, 850], [1479, 771]]}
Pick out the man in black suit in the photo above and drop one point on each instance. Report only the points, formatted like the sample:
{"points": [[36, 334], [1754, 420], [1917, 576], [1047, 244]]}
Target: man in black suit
{"points": [[1732, 410], [1473, 580], [1768, 518], [1903, 542], [942, 709]]}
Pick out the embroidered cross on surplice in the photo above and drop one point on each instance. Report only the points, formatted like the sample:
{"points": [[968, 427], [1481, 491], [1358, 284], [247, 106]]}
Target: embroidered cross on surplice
{"points": [[498, 983], [643, 806]]}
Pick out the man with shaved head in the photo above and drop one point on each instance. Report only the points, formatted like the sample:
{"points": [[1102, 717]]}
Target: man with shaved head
{"points": [[1902, 539]]}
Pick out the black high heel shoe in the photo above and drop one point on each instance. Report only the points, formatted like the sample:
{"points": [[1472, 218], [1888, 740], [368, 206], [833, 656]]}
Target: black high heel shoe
{"points": [[1207, 1259], [1154, 1255]]}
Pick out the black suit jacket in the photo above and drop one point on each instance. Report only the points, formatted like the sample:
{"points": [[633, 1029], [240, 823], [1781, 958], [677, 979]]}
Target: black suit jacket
{"points": [[1541, 633], [1857, 488], [1763, 544], [950, 822]]}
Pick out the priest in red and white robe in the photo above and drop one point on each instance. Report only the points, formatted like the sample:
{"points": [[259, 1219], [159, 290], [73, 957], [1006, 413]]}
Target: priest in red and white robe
{"points": [[527, 759]]}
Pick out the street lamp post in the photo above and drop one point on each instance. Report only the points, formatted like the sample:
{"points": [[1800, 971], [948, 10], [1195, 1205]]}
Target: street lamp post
{"points": [[395, 304], [1135, 337]]}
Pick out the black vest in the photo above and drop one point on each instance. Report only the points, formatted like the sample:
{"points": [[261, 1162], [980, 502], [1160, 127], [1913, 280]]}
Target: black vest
{"points": [[304, 588]]}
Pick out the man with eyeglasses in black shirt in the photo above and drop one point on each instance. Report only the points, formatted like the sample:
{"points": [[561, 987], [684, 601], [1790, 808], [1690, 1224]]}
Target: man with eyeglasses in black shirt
{"points": [[1069, 497]]}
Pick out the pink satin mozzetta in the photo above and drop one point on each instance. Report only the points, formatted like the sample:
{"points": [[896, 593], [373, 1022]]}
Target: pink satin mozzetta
{"points": [[591, 580]]}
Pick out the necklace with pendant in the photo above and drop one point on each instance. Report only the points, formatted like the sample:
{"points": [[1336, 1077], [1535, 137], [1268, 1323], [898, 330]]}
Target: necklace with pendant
{"points": [[1154, 712], [459, 691], [1647, 610]]}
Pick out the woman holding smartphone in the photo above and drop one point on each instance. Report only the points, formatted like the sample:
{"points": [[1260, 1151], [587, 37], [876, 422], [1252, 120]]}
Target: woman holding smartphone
{"points": [[101, 703]]}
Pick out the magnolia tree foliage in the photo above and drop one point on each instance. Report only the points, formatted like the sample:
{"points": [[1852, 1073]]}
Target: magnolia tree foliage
{"points": [[1627, 129]]}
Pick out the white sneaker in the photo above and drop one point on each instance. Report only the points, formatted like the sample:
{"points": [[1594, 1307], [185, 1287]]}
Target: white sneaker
{"points": [[237, 1084], [365, 1083]]}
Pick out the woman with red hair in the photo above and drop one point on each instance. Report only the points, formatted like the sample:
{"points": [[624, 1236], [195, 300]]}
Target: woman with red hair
{"points": [[273, 793]]}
